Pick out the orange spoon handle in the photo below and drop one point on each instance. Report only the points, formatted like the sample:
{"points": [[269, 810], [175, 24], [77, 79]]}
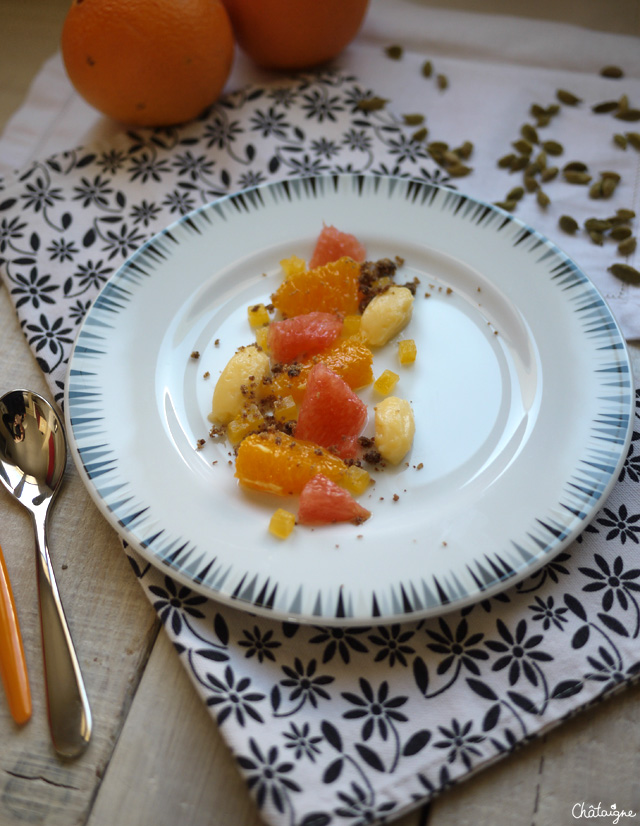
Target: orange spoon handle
{"points": [[13, 665]]}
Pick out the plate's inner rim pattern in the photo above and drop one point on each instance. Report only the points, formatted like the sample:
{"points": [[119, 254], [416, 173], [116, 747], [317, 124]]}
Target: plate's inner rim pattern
{"points": [[589, 483]]}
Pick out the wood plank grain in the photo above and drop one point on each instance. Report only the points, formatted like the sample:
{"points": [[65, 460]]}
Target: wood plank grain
{"points": [[30, 33], [171, 764], [34, 783], [98, 589]]}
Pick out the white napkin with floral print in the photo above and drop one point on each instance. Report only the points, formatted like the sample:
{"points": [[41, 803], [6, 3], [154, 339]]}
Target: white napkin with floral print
{"points": [[354, 725]]}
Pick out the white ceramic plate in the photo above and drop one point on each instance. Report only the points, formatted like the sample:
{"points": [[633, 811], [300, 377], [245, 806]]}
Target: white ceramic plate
{"points": [[521, 393]]}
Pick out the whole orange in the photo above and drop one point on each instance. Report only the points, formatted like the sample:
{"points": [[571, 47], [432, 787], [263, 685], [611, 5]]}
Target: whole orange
{"points": [[294, 34], [148, 62]]}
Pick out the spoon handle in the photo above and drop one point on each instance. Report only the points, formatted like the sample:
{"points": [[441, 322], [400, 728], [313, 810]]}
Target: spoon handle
{"points": [[67, 703], [13, 666]]}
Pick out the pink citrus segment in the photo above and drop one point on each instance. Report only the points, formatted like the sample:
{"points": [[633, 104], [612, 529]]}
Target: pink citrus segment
{"points": [[322, 501], [333, 244], [331, 414], [302, 335]]}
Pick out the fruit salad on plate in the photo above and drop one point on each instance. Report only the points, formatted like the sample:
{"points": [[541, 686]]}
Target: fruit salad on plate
{"points": [[288, 401]]}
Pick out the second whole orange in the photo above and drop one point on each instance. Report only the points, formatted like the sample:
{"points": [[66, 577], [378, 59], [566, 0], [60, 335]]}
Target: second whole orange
{"points": [[295, 34], [148, 62]]}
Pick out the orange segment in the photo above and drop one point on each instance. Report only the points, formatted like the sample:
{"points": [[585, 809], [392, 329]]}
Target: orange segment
{"points": [[275, 463], [349, 358], [332, 288]]}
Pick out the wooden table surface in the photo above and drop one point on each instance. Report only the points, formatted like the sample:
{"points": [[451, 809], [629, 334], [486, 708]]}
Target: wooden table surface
{"points": [[156, 756]]}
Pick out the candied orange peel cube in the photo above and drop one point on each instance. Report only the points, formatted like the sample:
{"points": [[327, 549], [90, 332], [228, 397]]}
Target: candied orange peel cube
{"points": [[385, 382], [258, 315], [282, 523], [356, 480], [285, 409], [262, 337], [248, 421], [407, 351]]}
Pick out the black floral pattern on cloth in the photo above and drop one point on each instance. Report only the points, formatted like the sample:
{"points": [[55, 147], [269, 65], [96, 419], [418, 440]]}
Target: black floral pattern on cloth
{"points": [[328, 725]]}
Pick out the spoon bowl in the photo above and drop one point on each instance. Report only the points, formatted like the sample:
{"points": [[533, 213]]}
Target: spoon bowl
{"points": [[33, 457], [33, 448]]}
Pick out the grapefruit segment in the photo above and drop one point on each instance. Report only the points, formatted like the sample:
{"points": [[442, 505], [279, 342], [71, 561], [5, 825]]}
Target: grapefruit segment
{"points": [[322, 501], [331, 415], [305, 334], [333, 244]]}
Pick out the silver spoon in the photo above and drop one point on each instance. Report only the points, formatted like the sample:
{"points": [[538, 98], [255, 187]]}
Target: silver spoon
{"points": [[33, 456]]}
